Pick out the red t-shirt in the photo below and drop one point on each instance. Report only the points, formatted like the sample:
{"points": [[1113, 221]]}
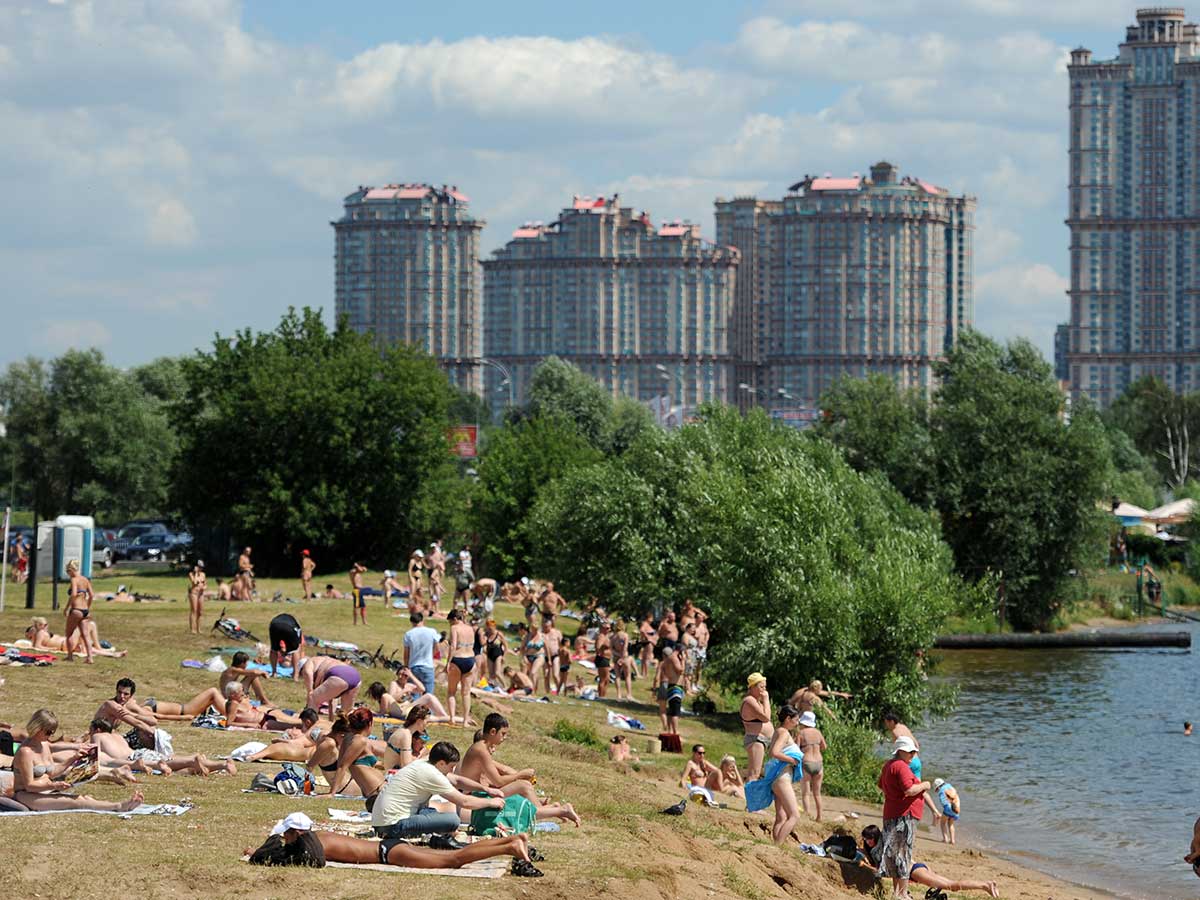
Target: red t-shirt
{"points": [[894, 780]]}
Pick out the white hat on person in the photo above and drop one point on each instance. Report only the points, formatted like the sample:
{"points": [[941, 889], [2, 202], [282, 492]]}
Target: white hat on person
{"points": [[388, 573], [297, 821], [904, 744], [808, 720], [938, 782], [418, 552]]}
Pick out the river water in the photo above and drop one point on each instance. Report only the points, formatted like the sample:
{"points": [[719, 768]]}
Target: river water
{"points": [[1074, 762]]}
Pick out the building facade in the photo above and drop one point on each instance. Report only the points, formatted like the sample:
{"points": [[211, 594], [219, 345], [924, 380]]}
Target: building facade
{"points": [[645, 310], [849, 276], [406, 271], [1134, 212]]}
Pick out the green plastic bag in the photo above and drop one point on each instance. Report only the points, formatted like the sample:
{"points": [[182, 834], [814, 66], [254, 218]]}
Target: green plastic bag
{"points": [[517, 816]]}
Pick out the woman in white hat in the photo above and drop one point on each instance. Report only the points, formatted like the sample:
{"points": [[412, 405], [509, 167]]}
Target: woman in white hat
{"points": [[812, 745]]}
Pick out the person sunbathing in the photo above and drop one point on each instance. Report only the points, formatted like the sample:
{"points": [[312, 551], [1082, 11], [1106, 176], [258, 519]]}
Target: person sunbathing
{"points": [[39, 634], [727, 779], [920, 872], [398, 705], [232, 703], [478, 764], [114, 751], [619, 749], [123, 709], [36, 777], [396, 852], [297, 745]]}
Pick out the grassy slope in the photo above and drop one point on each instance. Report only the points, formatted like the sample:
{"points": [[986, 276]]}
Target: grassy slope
{"points": [[624, 846]]}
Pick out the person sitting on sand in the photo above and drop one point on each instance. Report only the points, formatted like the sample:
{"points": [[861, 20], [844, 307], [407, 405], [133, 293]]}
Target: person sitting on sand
{"points": [[115, 751], [35, 784], [920, 872], [480, 765], [39, 634], [122, 709], [727, 779], [697, 770], [619, 749]]}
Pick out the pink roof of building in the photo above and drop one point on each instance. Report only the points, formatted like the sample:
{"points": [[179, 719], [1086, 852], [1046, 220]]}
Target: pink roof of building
{"points": [[589, 202], [527, 231], [675, 230], [397, 192], [460, 196], [836, 184], [930, 188]]}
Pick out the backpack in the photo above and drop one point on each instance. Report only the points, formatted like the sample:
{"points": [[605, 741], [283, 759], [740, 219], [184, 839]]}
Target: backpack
{"points": [[840, 847], [517, 817]]}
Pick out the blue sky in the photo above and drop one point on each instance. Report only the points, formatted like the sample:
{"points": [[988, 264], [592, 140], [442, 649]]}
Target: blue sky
{"points": [[171, 169]]}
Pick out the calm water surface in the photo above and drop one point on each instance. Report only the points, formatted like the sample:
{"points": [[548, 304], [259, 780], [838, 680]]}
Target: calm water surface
{"points": [[1074, 762]]}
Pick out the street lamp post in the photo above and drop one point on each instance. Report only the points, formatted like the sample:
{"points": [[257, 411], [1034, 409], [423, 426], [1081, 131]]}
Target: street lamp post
{"points": [[504, 371], [667, 375], [756, 392]]}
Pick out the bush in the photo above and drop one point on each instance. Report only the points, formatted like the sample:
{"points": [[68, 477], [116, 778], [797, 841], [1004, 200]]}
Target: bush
{"points": [[572, 733], [851, 763]]}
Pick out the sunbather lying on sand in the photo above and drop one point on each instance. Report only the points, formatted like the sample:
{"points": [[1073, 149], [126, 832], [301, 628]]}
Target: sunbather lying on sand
{"points": [[920, 872], [42, 638]]}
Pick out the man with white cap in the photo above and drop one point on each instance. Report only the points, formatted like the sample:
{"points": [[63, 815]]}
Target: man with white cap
{"points": [[292, 843], [903, 805]]}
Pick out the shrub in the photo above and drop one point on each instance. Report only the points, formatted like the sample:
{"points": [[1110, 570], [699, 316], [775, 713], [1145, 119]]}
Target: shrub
{"points": [[573, 733]]}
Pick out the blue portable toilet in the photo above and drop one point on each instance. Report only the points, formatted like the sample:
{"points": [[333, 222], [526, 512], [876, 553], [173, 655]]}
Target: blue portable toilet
{"points": [[75, 536]]}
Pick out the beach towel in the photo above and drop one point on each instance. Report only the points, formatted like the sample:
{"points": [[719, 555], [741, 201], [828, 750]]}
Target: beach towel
{"points": [[248, 749], [704, 794], [146, 809], [758, 793], [616, 720]]}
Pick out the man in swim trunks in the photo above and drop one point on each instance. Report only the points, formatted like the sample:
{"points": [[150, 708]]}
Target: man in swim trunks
{"points": [[897, 729], [123, 709], [668, 690], [668, 633], [358, 606], [245, 576], [1193, 856], [551, 601]]}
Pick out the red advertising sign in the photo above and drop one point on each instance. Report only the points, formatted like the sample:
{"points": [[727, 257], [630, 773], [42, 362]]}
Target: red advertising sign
{"points": [[463, 441]]}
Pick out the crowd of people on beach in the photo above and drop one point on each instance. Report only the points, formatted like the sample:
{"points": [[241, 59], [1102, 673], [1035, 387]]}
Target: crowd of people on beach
{"points": [[418, 789]]}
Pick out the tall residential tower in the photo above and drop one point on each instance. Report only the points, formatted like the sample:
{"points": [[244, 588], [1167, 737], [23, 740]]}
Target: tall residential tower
{"points": [[406, 269], [848, 276], [1134, 211], [645, 310]]}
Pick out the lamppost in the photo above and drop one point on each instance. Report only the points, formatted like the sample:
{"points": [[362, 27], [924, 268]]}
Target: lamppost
{"points": [[756, 392], [667, 375], [504, 371]]}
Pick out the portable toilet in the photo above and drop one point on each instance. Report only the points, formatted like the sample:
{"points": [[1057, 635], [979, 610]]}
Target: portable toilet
{"points": [[75, 537]]}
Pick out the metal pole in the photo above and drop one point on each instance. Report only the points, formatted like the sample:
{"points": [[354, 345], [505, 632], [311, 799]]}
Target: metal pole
{"points": [[4, 570], [31, 583], [54, 569]]}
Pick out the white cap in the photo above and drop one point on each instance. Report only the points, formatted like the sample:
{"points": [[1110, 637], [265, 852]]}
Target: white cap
{"points": [[524, 580], [294, 822], [938, 782], [904, 744], [808, 719], [388, 573], [418, 552], [464, 554]]}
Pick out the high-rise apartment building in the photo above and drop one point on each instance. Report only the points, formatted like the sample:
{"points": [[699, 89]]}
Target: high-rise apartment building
{"points": [[644, 309], [1134, 211], [406, 269], [848, 276]]}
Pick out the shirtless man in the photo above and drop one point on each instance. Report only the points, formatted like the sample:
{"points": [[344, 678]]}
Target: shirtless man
{"points": [[251, 679], [551, 601], [358, 607], [123, 709], [668, 633], [481, 597], [197, 587], [114, 751], [307, 568], [1193, 856], [897, 729], [224, 591], [79, 607], [479, 764], [552, 638], [245, 576], [332, 593], [669, 691], [808, 699]]}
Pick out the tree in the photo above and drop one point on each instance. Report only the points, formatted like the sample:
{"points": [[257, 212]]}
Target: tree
{"points": [[882, 428], [808, 568], [1016, 485], [559, 388], [307, 437], [1164, 426], [88, 439], [518, 461]]}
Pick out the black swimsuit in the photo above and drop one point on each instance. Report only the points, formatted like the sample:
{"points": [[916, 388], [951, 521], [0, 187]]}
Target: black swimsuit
{"points": [[494, 649]]}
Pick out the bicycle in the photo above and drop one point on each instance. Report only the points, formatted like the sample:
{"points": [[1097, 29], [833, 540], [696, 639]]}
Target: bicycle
{"points": [[231, 629]]}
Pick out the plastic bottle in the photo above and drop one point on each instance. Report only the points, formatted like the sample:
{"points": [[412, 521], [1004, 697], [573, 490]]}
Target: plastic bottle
{"points": [[308, 783]]}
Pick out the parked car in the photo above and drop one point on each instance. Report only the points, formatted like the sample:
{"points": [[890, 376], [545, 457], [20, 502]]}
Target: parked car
{"points": [[102, 550], [157, 547], [131, 532]]}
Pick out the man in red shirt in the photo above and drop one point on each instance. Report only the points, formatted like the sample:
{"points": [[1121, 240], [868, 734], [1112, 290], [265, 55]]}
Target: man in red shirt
{"points": [[903, 804]]}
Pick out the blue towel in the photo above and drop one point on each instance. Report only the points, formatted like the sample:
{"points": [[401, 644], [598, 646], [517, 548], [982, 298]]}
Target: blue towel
{"points": [[758, 793]]}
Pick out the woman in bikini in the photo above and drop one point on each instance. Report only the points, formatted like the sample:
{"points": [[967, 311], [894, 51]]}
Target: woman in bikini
{"points": [[231, 702], [603, 657], [397, 705], [647, 638], [622, 661], [79, 607], [812, 743], [462, 661], [407, 743], [787, 810], [38, 633], [494, 648], [356, 761], [34, 774], [325, 751], [756, 722], [533, 648], [197, 585]]}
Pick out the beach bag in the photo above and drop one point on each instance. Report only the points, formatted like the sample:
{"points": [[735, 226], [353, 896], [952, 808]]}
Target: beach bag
{"points": [[290, 780], [840, 847], [517, 817]]}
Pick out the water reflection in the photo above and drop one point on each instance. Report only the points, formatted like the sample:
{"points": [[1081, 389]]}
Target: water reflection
{"points": [[1075, 761]]}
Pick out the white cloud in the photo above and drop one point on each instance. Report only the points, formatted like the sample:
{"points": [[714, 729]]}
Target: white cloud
{"points": [[1022, 299], [1080, 13], [170, 222]]}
